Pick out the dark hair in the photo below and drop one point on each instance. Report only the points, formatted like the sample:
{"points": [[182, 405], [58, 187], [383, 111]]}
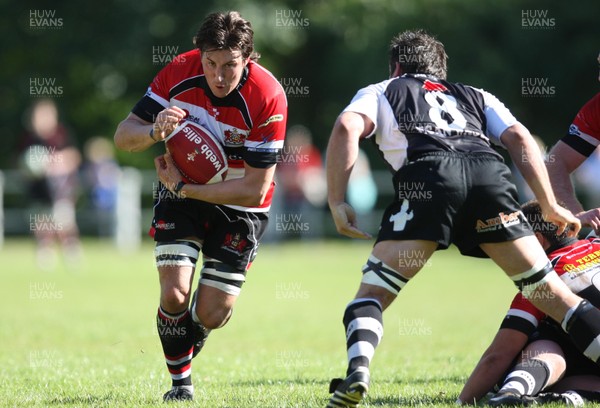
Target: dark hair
{"points": [[418, 53], [226, 31], [533, 213]]}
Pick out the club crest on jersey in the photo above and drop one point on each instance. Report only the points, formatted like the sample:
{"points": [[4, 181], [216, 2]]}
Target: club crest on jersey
{"points": [[501, 221], [233, 137], [234, 243], [574, 130], [433, 86]]}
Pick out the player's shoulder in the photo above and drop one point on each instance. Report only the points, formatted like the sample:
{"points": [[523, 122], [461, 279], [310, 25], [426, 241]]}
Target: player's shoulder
{"points": [[380, 87], [573, 251], [261, 83], [592, 106], [183, 66], [595, 99]]}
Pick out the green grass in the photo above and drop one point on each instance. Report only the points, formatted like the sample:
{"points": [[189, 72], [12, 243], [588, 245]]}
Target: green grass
{"points": [[87, 337]]}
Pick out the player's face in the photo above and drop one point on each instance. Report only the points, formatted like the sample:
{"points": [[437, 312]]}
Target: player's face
{"points": [[223, 70]]}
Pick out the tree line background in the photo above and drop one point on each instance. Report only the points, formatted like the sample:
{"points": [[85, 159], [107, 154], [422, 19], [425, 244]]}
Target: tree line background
{"points": [[102, 56]]}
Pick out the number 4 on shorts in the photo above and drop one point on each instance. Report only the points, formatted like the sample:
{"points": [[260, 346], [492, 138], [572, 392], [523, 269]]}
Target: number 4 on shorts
{"points": [[400, 218]]}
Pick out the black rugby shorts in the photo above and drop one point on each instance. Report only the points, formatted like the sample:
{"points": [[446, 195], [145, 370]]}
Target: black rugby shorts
{"points": [[464, 199]]}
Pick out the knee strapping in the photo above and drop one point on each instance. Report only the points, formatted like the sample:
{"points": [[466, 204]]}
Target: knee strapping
{"points": [[177, 253], [375, 272], [530, 280], [223, 277]]}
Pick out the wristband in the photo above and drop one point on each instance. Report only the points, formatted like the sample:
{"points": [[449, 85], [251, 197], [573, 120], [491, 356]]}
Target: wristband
{"points": [[152, 134], [179, 186]]}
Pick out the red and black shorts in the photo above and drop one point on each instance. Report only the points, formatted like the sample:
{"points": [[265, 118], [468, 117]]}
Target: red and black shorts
{"points": [[446, 197], [227, 235]]}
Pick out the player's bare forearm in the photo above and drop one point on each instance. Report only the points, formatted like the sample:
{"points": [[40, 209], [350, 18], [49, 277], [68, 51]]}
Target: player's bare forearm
{"points": [[232, 192], [342, 152], [562, 161], [493, 364], [248, 191], [133, 134], [528, 158]]}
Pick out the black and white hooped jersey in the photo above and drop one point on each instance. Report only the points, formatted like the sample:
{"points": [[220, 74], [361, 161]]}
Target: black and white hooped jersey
{"points": [[415, 114]]}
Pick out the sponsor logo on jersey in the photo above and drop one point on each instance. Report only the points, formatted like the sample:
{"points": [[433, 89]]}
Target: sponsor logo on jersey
{"points": [[162, 225], [501, 221], [274, 118], [433, 86], [234, 243]]}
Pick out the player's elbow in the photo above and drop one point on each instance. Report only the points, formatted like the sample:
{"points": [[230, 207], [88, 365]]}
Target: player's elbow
{"points": [[352, 124], [124, 137], [515, 136], [252, 196], [257, 198], [120, 139]]}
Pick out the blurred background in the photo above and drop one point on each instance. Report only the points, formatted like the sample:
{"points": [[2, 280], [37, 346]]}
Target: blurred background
{"points": [[71, 71]]}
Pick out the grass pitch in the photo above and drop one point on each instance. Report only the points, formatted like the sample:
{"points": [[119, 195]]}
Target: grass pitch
{"points": [[87, 337]]}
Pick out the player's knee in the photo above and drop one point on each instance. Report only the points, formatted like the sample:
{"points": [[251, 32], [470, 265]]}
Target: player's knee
{"points": [[174, 298], [226, 279], [214, 318], [384, 280]]}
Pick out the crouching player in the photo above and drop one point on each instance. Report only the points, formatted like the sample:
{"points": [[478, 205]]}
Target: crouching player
{"points": [[438, 135], [543, 362]]}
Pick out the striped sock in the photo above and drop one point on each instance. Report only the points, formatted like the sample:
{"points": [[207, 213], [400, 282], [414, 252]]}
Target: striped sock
{"points": [[176, 337], [527, 378], [363, 321]]}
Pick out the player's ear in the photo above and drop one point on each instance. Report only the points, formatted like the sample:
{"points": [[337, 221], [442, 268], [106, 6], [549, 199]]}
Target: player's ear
{"points": [[543, 241], [397, 70]]}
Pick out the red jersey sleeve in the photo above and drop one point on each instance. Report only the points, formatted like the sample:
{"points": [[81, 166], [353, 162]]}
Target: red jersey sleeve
{"points": [[265, 140], [158, 95], [522, 316], [584, 132]]}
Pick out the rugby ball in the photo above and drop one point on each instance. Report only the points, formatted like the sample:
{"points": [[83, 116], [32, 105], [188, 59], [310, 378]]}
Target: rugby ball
{"points": [[197, 154]]}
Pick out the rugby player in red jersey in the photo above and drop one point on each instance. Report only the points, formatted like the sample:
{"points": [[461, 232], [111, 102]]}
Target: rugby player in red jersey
{"points": [[544, 357], [570, 152], [220, 86]]}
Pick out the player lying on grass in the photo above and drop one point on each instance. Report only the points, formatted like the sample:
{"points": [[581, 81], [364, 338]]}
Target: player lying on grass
{"points": [[534, 348], [435, 136]]}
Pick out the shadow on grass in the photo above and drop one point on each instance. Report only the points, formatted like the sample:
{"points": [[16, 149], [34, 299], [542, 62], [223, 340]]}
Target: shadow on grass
{"points": [[413, 400], [94, 400]]}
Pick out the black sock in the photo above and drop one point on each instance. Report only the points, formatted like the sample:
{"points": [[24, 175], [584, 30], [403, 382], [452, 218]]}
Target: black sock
{"points": [[176, 336]]}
